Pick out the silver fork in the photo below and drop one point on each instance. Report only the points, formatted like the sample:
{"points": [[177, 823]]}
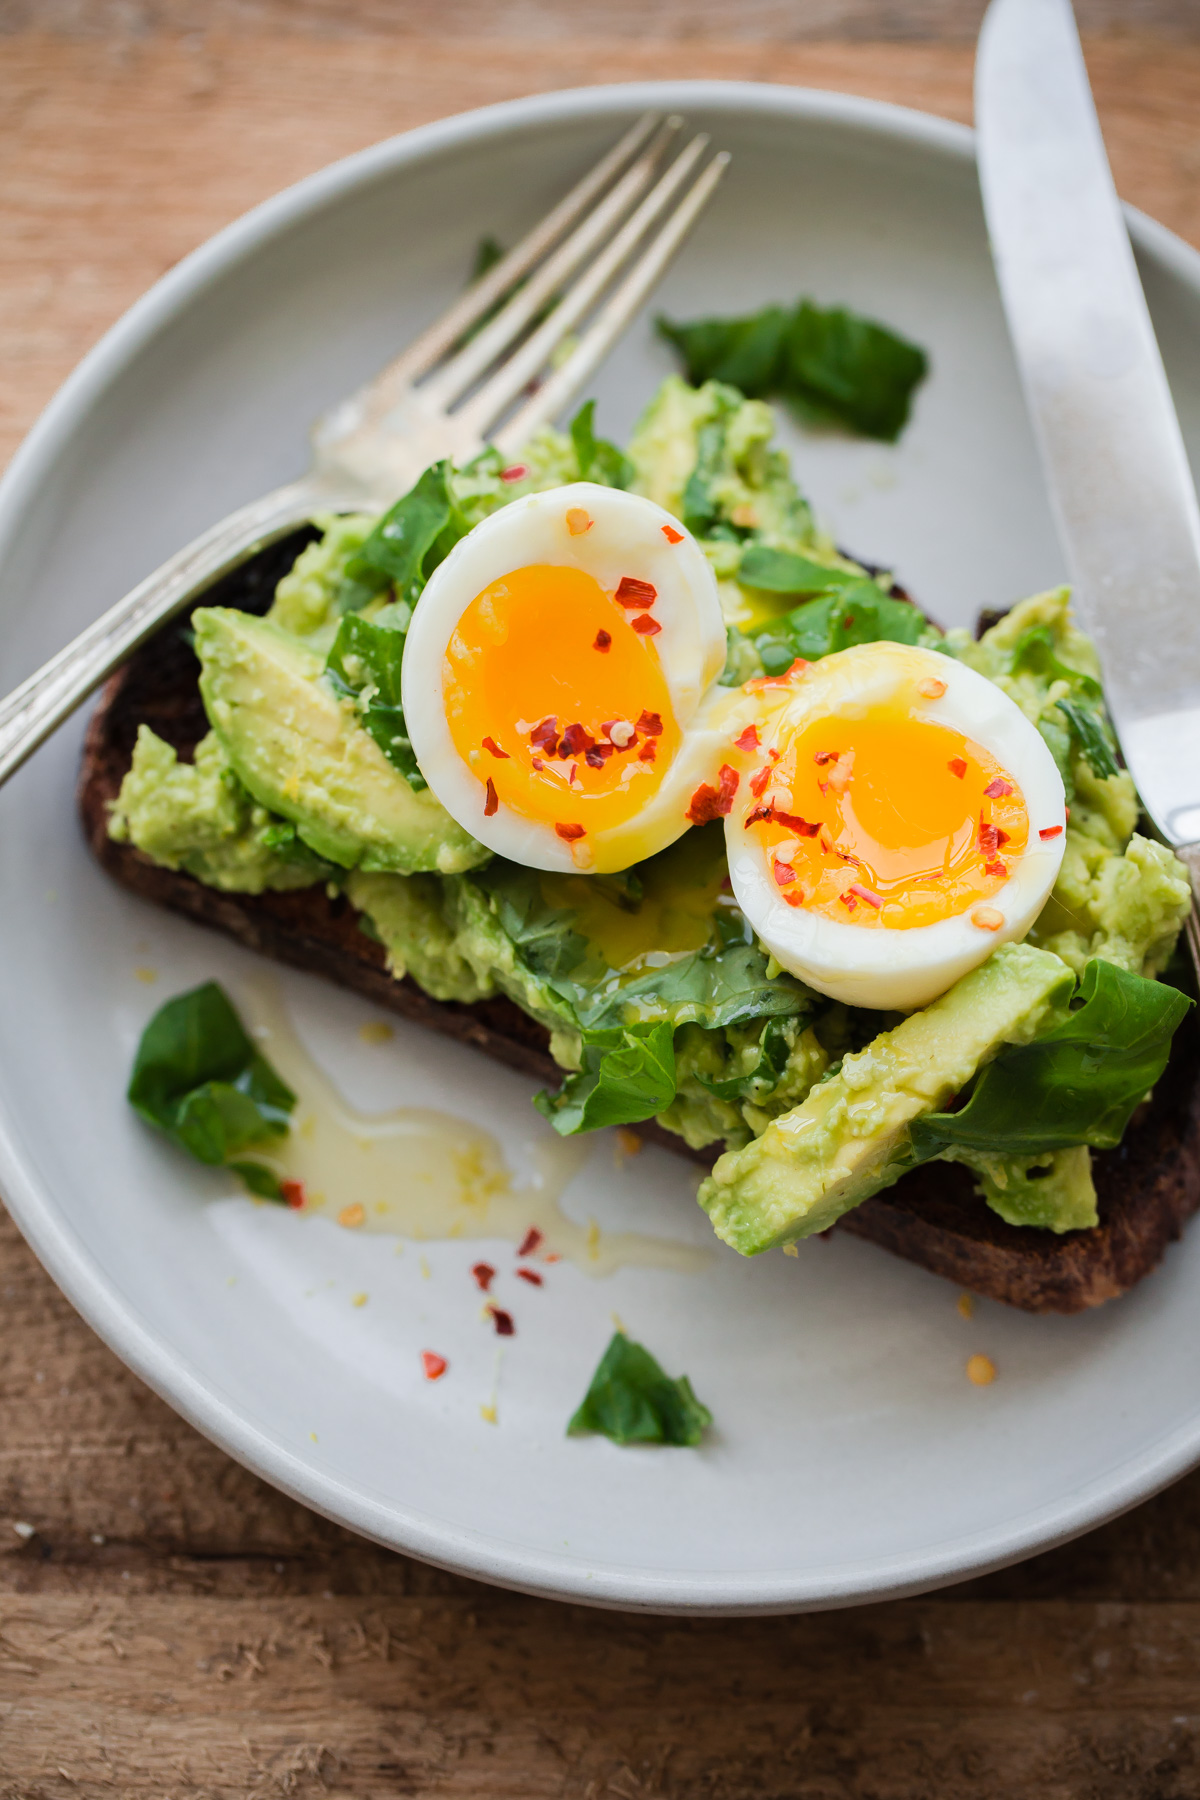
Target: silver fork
{"points": [[442, 397]]}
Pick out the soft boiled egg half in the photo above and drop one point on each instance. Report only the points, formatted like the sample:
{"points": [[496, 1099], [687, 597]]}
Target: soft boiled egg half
{"points": [[557, 678], [904, 819]]}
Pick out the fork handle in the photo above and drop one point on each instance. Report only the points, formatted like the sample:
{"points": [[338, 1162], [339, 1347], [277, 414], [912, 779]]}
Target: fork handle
{"points": [[36, 708]]}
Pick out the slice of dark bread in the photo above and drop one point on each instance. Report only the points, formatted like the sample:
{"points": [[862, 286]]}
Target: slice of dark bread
{"points": [[1147, 1188]]}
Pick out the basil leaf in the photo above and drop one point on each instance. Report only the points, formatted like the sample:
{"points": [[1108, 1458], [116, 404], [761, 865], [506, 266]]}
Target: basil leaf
{"points": [[364, 663], [858, 613], [628, 1074], [413, 537], [198, 1078], [784, 572], [832, 363], [773, 1051], [598, 460], [632, 1401], [1089, 737], [1078, 1084]]}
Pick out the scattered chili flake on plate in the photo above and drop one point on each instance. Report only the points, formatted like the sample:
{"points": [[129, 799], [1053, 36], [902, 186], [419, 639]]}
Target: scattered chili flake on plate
{"points": [[531, 1276], [435, 1366], [533, 1237], [484, 1275], [503, 1321]]}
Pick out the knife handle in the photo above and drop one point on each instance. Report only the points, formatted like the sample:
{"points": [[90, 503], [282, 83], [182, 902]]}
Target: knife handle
{"points": [[1189, 856]]}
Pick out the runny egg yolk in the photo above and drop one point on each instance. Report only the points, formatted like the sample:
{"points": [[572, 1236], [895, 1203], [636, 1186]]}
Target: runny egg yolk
{"points": [[888, 820], [553, 696]]}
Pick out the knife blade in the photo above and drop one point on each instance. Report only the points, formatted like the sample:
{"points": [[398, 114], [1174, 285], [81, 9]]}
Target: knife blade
{"points": [[1111, 448]]}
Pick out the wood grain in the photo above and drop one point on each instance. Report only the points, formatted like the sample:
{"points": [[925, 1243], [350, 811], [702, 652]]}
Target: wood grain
{"points": [[173, 1627]]}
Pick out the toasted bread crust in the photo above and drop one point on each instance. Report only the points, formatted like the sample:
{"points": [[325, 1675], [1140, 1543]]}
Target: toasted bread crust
{"points": [[1147, 1188]]}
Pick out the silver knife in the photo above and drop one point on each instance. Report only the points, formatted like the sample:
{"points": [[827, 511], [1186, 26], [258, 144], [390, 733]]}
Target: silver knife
{"points": [[1110, 442]]}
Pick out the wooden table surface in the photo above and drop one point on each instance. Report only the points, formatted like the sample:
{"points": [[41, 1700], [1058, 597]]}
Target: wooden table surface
{"points": [[172, 1627]]}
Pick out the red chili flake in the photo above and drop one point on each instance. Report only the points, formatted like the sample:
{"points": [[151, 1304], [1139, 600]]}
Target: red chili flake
{"points": [[435, 1366], [484, 1275], [710, 803], [995, 868], [865, 893], [957, 766], [554, 1256], [570, 832], [995, 790], [650, 724], [1051, 831], [672, 536], [772, 815], [493, 746], [293, 1193], [594, 758], [989, 837], [784, 875], [827, 848], [821, 757], [492, 801], [796, 899], [1001, 836], [529, 1243], [849, 899], [603, 640], [759, 780], [545, 735], [646, 626], [766, 681], [848, 621], [748, 739], [575, 740], [635, 594], [531, 1276], [647, 753], [515, 472], [503, 1321], [535, 762]]}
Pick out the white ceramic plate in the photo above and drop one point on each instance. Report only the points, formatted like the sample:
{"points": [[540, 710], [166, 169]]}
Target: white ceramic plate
{"points": [[851, 1458]]}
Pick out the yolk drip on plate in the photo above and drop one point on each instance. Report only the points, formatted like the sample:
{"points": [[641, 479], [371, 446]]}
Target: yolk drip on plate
{"points": [[555, 694], [888, 819]]}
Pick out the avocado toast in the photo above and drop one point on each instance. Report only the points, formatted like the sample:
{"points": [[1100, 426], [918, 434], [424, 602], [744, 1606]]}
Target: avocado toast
{"points": [[557, 972]]}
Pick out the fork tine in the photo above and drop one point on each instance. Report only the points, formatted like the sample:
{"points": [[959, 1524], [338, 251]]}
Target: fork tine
{"points": [[486, 407], [455, 377], [438, 338], [594, 346]]}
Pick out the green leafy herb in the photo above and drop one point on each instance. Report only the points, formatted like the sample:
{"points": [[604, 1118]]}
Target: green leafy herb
{"points": [[701, 500], [598, 460], [773, 1052], [628, 1074], [1077, 1084], [411, 539], [1089, 737], [198, 1077], [831, 363], [632, 1401], [365, 662], [784, 572], [858, 613]]}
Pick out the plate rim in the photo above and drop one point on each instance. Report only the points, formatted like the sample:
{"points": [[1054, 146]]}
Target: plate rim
{"points": [[115, 1318]]}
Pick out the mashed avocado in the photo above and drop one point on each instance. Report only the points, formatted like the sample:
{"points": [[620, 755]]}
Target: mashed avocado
{"points": [[811, 1100]]}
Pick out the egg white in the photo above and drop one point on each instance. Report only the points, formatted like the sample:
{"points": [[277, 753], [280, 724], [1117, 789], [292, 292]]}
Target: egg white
{"points": [[886, 967], [626, 538]]}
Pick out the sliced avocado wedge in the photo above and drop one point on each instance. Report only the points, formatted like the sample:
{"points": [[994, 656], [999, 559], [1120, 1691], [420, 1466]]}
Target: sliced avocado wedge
{"points": [[302, 753], [849, 1138]]}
